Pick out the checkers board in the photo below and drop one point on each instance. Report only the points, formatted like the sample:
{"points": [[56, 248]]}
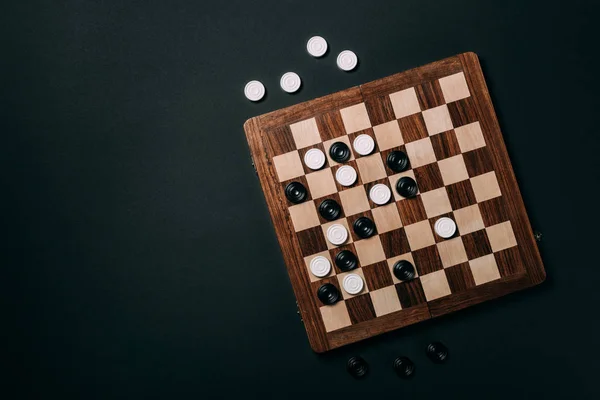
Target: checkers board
{"points": [[442, 117]]}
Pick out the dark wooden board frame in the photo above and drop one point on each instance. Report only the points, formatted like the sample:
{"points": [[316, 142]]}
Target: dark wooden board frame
{"points": [[319, 339]]}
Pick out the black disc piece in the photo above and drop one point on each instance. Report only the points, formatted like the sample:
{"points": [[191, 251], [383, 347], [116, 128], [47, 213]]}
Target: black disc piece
{"points": [[330, 209], [364, 227], [407, 187], [346, 260], [437, 352], [339, 152], [328, 294], [397, 161], [357, 367], [404, 270], [296, 192], [404, 367]]}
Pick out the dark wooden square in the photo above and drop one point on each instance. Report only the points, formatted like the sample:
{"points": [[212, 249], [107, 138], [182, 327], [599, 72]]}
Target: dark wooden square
{"points": [[377, 276], [380, 110], [461, 194], [478, 161], [413, 128], [410, 293], [445, 145], [509, 262], [281, 140], [459, 277], [360, 308], [411, 210], [312, 240], [493, 211], [462, 112], [330, 125], [476, 244], [394, 243], [430, 95], [428, 177], [427, 260]]}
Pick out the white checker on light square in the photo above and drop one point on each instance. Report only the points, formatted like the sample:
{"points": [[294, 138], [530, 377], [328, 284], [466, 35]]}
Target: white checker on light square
{"points": [[405, 103], [435, 285], [335, 316], [485, 186], [453, 169], [305, 133], [355, 118], [304, 216], [469, 137], [454, 87], [501, 236], [484, 269], [385, 300], [420, 152], [388, 135], [309, 259], [288, 166], [437, 120]]}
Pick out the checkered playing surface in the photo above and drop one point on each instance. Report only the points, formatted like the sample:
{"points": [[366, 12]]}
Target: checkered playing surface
{"points": [[436, 125]]}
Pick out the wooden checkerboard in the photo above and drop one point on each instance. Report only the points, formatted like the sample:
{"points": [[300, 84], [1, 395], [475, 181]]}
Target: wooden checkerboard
{"points": [[442, 117]]}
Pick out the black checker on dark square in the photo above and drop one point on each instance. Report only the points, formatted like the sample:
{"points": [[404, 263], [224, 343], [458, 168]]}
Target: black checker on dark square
{"points": [[410, 293], [330, 125], [351, 219], [461, 194], [463, 112], [476, 244], [478, 161], [377, 275], [428, 177], [413, 128], [312, 240], [360, 308], [459, 277], [302, 180], [427, 260], [314, 286], [394, 243], [335, 251], [386, 153], [445, 145]]}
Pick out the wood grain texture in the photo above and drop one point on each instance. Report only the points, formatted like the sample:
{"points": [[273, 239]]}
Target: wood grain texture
{"points": [[509, 270]]}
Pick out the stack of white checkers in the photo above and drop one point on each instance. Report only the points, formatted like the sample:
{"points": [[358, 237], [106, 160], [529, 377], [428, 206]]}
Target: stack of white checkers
{"points": [[290, 82], [321, 266]]}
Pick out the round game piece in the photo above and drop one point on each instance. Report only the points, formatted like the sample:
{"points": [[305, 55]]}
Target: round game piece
{"points": [[445, 227], [407, 187], [254, 90], [397, 161], [404, 367], [314, 159], [357, 367], [330, 209], [316, 46], [380, 194], [353, 283], [296, 192], [328, 294], [346, 260], [404, 270], [363, 144], [320, 266], [346, 175], [339, 152], [437, 352], [364, 227], [290, 82], [337, 234], [347, 60]]}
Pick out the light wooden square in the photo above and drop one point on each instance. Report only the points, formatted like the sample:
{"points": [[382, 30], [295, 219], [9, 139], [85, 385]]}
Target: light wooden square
{"points": [[452, 252], [336, 316], [468, 219], [485, 187], [484, 269], [469, 137], [304, 215], [305, 133], [386, 218], [420, 152], [405, 102], [344, 223], [435, 285], [369, 251], [308, 259], [385, 301], [454, 87], [321, 183], [327, 145], [453, 169], [359, 272], [437, 120], [388, 135], [354, 200], [371, 168], [394, 179], [436, 202], [355, 118], [501, 236], [288, 166], [391, 261], [419, 235]]}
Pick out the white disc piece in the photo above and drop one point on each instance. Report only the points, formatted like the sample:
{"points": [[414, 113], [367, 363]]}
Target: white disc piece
{"points": [[347, 60], [290, 82], [380, 194], [353, 283], [346, 175], [337, 234], [363, 144], [445, 227], [320, 266], [316, 46], [314, 159], [254, 90]]}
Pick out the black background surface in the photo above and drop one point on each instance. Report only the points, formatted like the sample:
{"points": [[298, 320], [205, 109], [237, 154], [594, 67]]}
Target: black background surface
{"points": [[138, 256]]}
